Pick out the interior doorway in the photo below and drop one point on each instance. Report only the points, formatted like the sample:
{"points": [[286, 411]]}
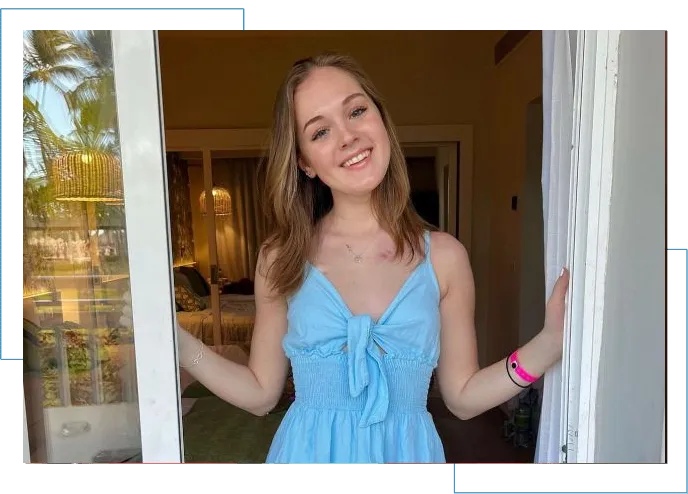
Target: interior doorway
{"points": [[434, 182], [425, 187]]}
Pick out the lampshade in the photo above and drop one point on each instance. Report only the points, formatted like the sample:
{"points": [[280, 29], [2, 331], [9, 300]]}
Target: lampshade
{"points": [[90, 176], [223, 202]]}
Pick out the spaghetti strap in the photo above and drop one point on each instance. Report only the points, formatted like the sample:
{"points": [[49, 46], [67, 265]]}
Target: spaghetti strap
{"points": [[426, 252]]}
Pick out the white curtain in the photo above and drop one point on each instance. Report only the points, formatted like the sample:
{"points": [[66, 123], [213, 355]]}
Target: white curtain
{"points": [[557, 105]]}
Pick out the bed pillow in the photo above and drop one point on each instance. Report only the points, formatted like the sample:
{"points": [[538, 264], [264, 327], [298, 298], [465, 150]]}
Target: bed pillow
{"points": [[187, 300], [181, 279], [198, 284]]}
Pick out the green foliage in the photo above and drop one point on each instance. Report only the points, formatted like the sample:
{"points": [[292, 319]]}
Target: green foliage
{"points": [[106, 345]]}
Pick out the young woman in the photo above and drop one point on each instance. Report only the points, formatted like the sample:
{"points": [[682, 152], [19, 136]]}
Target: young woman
{"points": [[356, 291]]}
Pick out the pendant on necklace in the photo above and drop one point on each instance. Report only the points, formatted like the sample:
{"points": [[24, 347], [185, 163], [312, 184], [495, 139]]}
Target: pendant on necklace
{"points": [[357, 259]]}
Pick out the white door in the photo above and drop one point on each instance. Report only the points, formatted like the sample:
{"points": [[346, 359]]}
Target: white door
{"points": [[591, 173], [578, 148], [95, 228]]}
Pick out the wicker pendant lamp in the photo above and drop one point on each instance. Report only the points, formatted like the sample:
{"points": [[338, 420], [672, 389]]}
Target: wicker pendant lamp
{"points": [[223, 202], [86, 176]]}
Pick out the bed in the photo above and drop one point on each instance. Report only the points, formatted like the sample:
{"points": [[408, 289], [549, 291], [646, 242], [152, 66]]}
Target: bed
{"points": [[237, 309], [237, 316]]}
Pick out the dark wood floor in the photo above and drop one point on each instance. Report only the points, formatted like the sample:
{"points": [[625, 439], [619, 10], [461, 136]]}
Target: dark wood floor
{"points": [[478, 440]]}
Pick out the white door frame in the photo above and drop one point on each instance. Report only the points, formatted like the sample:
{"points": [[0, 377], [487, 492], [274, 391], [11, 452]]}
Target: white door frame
{"points": [[139, 113], [22, 449], [662, 457], [590, 199], [446, 163], [450, 137]]}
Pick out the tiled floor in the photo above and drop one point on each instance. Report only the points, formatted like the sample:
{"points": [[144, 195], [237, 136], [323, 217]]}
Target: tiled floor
{"points": [[478, 440]]}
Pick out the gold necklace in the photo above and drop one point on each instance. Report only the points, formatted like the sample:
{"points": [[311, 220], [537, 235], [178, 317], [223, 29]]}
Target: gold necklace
{"points": [[358, 258]]}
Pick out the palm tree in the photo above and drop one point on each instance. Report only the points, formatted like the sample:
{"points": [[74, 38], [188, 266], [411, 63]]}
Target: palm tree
{"points": [[79, 66], [48, 60], [92, 102], [95, 94]]}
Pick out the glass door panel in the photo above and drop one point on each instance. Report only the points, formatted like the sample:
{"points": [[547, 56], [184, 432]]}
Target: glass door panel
{"points": [[82, 366]]}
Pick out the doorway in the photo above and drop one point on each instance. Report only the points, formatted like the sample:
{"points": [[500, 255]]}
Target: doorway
{"points": [[434, 171], [151, 370]]}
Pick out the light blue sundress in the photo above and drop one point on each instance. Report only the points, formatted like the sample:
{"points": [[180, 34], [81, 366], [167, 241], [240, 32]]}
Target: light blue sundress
{"points": [[354, 402]]}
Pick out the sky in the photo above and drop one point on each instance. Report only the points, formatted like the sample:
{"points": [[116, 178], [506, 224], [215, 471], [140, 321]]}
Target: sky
{"points": [[53, 108], [55, 112]]}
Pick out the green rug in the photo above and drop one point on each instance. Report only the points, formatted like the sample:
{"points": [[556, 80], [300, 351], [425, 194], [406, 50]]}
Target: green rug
{"points": [[196, 390], [217, 432]]}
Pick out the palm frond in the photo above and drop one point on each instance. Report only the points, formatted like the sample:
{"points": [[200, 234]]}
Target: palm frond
{"points": [[50, 58], [95, 49]]}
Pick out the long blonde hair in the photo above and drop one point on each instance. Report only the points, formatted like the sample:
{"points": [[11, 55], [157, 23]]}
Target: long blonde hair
{"points": [[295, 203]]}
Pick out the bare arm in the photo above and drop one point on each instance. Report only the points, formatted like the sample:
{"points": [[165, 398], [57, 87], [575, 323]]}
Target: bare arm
{"points": [[257, 387], [466, 389]]}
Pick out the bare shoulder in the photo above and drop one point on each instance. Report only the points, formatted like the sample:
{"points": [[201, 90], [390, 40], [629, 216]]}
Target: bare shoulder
{"points": [[266, 258], [450, 260], [446, 249]]}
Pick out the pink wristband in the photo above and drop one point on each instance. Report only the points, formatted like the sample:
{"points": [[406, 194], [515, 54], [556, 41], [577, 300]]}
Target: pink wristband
{"points": [[520, 371]]}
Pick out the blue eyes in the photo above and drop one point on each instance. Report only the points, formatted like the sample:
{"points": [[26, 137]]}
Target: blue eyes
{"points": [[355, 113]]}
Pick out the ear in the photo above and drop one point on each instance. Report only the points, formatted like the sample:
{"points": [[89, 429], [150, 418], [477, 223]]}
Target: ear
{"points": [[310, 173]]}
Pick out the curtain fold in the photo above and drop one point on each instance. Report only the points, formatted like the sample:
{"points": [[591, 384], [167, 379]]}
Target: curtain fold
{"points": [[557, 104], [240, 235]]}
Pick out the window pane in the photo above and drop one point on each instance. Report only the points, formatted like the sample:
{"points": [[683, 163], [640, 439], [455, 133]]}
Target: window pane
{"points": [[79, 368]]}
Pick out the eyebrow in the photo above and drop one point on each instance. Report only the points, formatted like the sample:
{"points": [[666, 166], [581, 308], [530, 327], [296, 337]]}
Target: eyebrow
{"points": [[344, 102]]}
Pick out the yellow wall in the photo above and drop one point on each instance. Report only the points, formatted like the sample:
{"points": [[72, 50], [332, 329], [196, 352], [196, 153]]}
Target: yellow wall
{"points": [[515, 83], [444, 77]]}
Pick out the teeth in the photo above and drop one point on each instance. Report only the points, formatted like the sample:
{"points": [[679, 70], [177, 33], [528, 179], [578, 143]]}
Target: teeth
{"points": [[357, 158]]}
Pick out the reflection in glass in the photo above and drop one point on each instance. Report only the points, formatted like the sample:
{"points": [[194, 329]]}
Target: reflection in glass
{"points": [[79, 369]]}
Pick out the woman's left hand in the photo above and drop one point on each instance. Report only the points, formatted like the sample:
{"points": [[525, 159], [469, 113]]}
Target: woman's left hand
{"points": [[555, 311], [545, 349]]}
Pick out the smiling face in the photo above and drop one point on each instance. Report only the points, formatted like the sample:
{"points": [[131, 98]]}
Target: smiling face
{"points": [[326, 112], [342, 137]]}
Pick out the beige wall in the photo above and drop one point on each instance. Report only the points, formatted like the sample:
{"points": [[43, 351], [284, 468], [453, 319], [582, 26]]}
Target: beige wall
{"points": [[445, 77], [515, 83]]}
